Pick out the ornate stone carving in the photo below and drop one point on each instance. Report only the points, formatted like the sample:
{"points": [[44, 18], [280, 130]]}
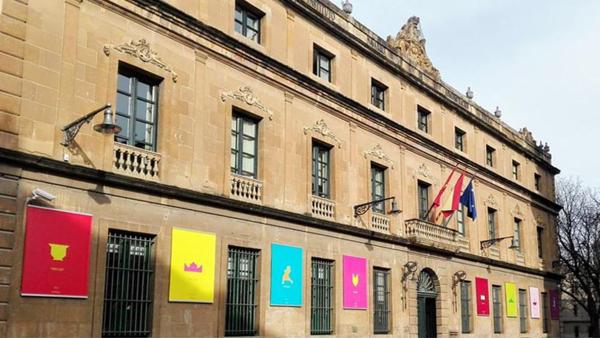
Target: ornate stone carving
{"points": [[527, 135], [491, 202], [321, 127], [246, 95], [378, 152], [424, 172], [141, 50], [517, 211], [410, 42]]}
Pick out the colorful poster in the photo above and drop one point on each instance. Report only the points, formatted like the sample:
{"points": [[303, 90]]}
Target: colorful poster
{"points": [[554, 304], [355, 282], [482, 293], [56, 255], [286, 275], [192, 266], [511, 299], [534, 302]]}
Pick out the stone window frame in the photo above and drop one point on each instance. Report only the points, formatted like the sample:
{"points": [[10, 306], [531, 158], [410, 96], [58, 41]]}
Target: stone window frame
{"points": [[379, 89], [424, 113], [247, 10]]}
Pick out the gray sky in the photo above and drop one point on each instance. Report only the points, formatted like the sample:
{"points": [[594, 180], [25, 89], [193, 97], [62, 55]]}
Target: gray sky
{"points": [[539, 60]]}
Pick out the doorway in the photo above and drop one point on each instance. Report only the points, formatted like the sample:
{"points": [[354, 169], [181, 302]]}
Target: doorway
{"points": [[426, 305]]}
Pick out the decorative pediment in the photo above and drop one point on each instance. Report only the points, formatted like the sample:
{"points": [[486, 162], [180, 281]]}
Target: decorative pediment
{"points": [[320, 127], [141, 49], [517, 212], [491, 202], [423, 171], [246, 95], [377, 152], [409, 42]]}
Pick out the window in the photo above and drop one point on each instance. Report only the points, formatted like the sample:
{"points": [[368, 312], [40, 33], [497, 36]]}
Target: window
{"points": [[322, 61], [515, 170], [575, 309], [423, 119], [128, 285], [544, 312], [244, 145], [423, 192], [381, 300], [537, 181], [517, 234], [490, 154], [497, 307], [137, 108], [378, 187], [247, 21], [320, 170], [491, 223], [459, 139], [540, 237], [465, 306], [242, 292], [523, 310], [321, 304], [378, 94], [460, 220], [576, 331]]}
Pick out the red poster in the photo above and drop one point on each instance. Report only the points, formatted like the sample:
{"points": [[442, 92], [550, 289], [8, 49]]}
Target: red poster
{"points": [[483, 296], [56, 254]]}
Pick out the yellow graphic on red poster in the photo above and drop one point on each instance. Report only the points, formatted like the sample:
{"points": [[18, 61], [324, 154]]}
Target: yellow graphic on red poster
{"points": [[192, 266]]}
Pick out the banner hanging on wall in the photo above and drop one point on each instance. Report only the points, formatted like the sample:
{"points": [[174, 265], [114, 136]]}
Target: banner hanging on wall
{"points": [[511, 299], [554, 304], [286, 275], [355, 282], [482, 294], [534, 302], [192, 266], [56, 254]]}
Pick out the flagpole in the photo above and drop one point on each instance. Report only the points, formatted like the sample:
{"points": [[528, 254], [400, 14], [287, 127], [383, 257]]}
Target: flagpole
{"points": [[445, 184]]}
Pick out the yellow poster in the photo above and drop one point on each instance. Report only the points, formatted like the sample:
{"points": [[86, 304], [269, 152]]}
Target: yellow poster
{"points": [[192, 266], [511, 299]]}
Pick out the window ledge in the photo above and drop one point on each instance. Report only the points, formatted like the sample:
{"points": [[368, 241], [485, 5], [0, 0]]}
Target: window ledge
{"points": [[250, 43]]}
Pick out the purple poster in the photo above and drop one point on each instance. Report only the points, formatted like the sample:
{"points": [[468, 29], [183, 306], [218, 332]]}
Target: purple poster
{"points": [[554, 304], [355, 282]]}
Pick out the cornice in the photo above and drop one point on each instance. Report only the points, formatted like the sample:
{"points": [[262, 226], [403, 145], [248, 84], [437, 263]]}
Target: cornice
{"points": [[36, 163]]}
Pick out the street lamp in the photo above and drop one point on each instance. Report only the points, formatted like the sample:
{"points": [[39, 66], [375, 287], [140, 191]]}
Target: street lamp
{"points": [[361, 209], [489, 242], [106, 127]]}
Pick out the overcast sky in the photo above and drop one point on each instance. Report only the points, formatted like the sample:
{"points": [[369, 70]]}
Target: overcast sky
{"points": [[539, 60]]}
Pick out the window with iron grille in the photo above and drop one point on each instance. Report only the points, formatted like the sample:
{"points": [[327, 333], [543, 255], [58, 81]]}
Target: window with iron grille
{"points": [[460, 220], [516, 167], [137, 108], [378, 187], [423, 192], [128, 285], [378, 94], [244, 145], [242, 296], [459, 139], [320, 170], [321, 305], [540, 236], [322, 61], [517, 234], [490, 153], [523, 310], [381, 300], [545, 312], [466, 313], [497, 306], [423, 119], [491, 223], [247, 21]]}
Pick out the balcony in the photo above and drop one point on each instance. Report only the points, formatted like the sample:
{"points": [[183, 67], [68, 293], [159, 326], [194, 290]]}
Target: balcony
{"points": [[322, 207], [136, 162], [245, 189], [423, 232], [380, 223]]}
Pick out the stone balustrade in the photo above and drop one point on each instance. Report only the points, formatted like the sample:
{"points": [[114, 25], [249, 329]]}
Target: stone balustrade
{"points": [[136, 162], [246, 189], [322, 207], [380, 223], [423, 232]]}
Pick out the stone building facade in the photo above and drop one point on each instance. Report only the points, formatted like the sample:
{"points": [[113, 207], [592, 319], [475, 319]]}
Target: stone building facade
{"points": [[230, 113]]}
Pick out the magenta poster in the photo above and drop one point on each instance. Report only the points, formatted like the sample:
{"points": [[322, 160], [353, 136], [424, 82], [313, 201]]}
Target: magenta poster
{"points": [[554, 304], [355, 282], [534, 300]]}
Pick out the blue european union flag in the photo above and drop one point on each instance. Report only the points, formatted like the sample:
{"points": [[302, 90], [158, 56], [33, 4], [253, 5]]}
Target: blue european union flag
{"points": [[286, 275], [468, 200]]}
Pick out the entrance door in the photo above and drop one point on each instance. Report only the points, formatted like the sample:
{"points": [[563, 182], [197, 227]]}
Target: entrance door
{"points": [[426, 308]]}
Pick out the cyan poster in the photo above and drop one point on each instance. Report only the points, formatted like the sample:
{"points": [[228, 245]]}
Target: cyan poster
{"points": [[286, 275]]}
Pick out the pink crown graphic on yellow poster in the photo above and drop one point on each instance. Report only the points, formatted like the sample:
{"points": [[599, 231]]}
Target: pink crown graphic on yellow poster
{"points": [[192, 266], [58, 252]]}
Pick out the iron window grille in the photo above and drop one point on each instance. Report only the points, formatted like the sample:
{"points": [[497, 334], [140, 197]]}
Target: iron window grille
{"points": [[247, 21], [321, 170], [497, 305], [523, 310], [465, 307], [489, 155], [137, 108], [381, 300], [491, 223], [244, 145], [322, 61], [423, 192], [128, 285], [540, 236], [378, 94], [459, 139], [423, 119], [545, 312], [460, 220], [321, 306], [378, 188], [515, 170], [242, 292], [517, 234]]}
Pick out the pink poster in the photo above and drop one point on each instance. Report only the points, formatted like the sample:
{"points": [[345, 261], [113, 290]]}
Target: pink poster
{"points": [[355, 282], [554, 304], [534, 302]]}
